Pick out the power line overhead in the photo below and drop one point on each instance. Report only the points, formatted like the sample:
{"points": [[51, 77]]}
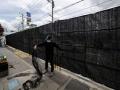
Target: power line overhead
{"points": [[68, 6]]}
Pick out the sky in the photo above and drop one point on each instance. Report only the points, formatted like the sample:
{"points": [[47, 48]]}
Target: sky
{"points": [[11, 10]]}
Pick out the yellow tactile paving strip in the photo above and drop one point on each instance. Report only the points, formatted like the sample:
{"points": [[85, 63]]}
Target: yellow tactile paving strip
{"points": [[19, 53]]}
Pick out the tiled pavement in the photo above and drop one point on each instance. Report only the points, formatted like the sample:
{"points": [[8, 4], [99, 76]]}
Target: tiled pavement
{"points": [[62, 80]]}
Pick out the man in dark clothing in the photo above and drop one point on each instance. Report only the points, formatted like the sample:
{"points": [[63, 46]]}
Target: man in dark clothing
{"points": [[49, 51]]}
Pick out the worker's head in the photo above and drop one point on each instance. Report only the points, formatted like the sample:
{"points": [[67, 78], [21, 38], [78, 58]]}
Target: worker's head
{"points": [[49, 38]]}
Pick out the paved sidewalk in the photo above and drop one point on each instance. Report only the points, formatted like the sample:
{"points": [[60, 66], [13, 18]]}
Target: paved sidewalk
{"points": [[17, 66], [62, 79]]}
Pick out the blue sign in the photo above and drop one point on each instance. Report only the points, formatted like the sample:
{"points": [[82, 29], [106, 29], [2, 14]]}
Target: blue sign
{"points": [[28, 14]]}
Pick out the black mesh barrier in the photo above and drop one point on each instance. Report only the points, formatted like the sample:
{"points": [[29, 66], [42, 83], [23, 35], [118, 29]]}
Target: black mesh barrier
{"points": [[90, 43]]}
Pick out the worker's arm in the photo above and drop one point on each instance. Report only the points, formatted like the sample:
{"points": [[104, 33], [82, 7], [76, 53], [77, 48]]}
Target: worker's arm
{"points": [[39, 45], [57, 46]]}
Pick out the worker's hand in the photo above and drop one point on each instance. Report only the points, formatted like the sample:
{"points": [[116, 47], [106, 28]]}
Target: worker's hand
{"points": [[35, 47]]}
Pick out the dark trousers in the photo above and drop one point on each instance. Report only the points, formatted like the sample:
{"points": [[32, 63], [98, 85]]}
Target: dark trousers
{"points": [[49, 59]]}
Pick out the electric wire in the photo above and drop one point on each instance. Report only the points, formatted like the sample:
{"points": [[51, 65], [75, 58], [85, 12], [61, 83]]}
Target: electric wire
{"points": [[68, 6], [46, 15], [86, 8]]}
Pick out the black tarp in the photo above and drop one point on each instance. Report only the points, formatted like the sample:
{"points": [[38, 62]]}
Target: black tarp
{"points": [[90, 45]]}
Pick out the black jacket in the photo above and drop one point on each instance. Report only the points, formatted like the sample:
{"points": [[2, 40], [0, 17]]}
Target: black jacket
{"points": [[49, 48]]}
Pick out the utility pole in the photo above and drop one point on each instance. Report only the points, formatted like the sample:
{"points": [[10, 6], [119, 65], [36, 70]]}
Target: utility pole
{"points": [[52, 2], [22, 21], [52, 15], [52, 10]]}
